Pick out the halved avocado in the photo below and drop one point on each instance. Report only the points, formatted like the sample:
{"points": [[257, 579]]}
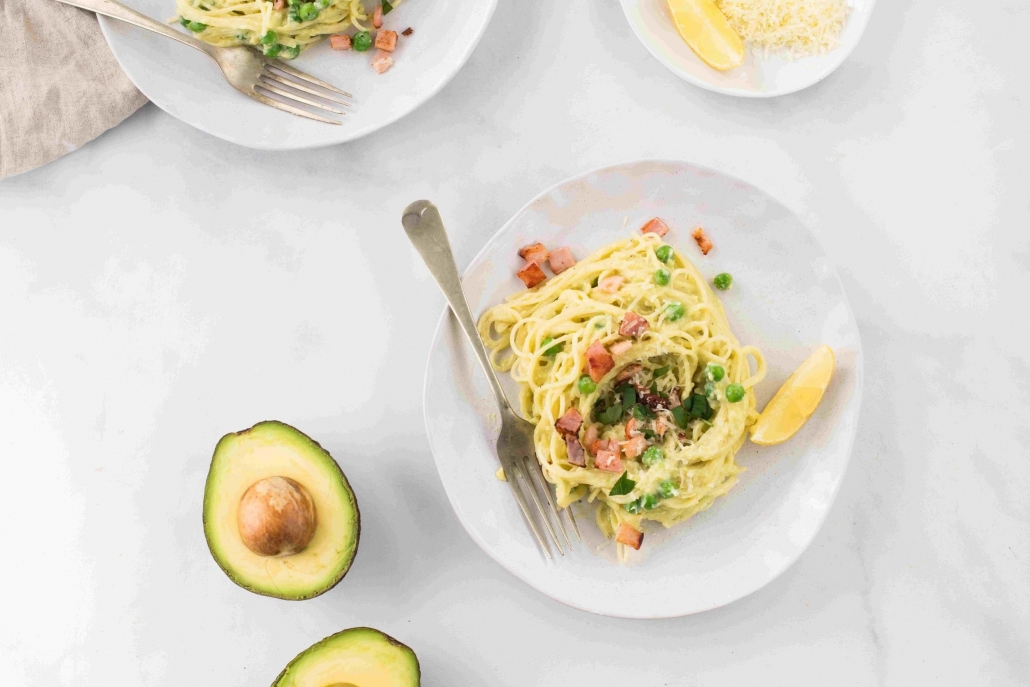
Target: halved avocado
{"points": [[279, 515], [360, 656]]}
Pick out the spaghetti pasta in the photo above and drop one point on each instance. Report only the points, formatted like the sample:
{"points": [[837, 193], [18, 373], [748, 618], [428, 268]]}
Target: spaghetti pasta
{"points": [[254, 22], [542, 335]]}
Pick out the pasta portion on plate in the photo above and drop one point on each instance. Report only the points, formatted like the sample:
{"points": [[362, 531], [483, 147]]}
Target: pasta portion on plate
{"points": [[281, 28], [640, 393]]}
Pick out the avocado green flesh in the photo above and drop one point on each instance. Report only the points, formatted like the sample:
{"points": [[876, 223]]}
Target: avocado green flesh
{"points": [[360, 656], [274, 449]]}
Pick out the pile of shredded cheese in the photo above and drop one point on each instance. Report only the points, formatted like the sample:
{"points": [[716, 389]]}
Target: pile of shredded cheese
{"points": [[795, 28]]}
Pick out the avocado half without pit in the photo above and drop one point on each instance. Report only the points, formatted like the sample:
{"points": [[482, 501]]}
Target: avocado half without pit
{"points": [[279, 515], [358, 657]]}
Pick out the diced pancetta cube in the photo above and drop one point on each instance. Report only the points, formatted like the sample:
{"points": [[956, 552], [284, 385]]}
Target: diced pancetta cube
{"points": [[655, 226], [674, 397], [608, 461], [577, 456], [633, 325], [620, 347], [381, 62], [628, 372], [377, 17], [599, 360], [531, 275], [590, 436], [611, 284], [570, 422], [702, 241], [631, 428], [629, 536], [386, 40], [340, 41], [635, 446], [561, 259], [534, 253]]}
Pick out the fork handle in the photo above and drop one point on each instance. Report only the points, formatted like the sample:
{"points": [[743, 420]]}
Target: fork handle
{"points": [[117, 10], [425, 229]]}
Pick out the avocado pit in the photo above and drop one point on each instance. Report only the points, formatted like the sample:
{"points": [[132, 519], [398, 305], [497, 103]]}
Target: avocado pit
{"points": [[276, 517]]}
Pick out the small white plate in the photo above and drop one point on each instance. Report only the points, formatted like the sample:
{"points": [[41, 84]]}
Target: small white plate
{"points": [[786, 299], [758, 77], [187, 84]]}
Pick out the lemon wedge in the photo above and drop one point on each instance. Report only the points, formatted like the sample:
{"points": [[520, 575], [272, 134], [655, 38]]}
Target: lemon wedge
{"points": [[704, 28], [796, 400]]}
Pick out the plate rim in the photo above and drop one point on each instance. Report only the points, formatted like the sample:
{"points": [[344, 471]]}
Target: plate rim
{"points": [[106, 24], [843, 54], [437, 340]]}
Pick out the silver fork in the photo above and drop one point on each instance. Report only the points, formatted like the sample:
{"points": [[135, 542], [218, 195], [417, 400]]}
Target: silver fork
{"points": [[515, 448], [248, 71]]}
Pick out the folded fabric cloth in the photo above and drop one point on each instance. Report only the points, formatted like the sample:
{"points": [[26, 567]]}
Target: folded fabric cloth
{"points": [[60, 86]]}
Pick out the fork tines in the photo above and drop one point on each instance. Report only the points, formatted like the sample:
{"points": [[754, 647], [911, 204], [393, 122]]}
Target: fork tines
{"points": [[527, 472], [296, 86]]}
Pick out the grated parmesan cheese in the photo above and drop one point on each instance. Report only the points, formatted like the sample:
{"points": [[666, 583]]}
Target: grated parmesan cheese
{"points": [[795, 28]]}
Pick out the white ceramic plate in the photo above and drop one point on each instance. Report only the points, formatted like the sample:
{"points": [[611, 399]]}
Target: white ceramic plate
{"points": [[758, 77], [786, 299], [187, 84]]}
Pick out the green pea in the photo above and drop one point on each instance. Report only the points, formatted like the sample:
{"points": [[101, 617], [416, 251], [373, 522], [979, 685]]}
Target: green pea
{"points": [[293, 3], [734, 393], [362, 41], [633, 507], [667, 489], [723, 281], [710, 390], [649, 502], [270, 38], [715, 372], [586, 385], [184, 21], [322, 4], [294, 14], [674, 311], [652, 455], [273, 50], [308, 11], [599, 324], [196, 26], [553, 350], [662, 277], [290, 52], [664, 253]]}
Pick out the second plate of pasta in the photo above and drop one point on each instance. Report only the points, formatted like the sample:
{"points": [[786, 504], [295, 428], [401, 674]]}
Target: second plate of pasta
{"points": [[629, 343]]}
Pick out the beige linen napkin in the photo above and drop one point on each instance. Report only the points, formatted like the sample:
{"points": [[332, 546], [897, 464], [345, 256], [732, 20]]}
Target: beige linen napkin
{"points": [[59, 83]]}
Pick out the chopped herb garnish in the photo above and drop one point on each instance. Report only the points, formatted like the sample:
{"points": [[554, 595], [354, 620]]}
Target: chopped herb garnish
{"points": [[593, 284], [699, 407], [679, 414], [654, 388], [623, 486], [648, 434], [610, 415], [387, 7], [660, 372], [629, 395], [641, 412]]}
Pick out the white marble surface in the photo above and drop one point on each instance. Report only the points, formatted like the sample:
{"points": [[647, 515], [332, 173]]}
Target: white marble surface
{"points": [[159, 288]]}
